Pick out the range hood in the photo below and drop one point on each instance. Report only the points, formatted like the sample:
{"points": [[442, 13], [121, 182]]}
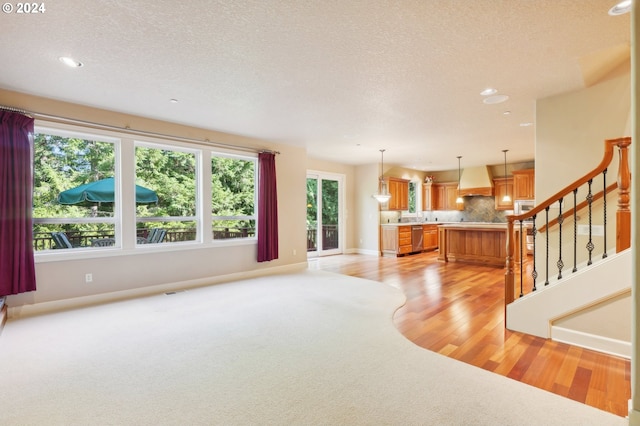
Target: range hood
{"points": [[476, 181]]}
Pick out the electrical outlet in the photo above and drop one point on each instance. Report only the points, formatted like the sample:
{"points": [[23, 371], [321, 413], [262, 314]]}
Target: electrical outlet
{"points": [[88, 278], [295, 252]]}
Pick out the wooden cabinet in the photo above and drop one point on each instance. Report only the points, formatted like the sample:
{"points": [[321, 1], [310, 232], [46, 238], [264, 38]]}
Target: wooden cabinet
{"points": [[444, 196], [524, 184], [439, 198], [503, 186], [396, 240], [429, 237], [399, 190], [427, 197], [404, 239], [451, 191]]}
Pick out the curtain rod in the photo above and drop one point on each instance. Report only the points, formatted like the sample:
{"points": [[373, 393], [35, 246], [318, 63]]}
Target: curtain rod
{"points": [[94, 125], [11, 109]]}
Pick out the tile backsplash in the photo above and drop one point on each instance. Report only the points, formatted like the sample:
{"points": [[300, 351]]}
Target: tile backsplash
{"points": [[476, 209]]}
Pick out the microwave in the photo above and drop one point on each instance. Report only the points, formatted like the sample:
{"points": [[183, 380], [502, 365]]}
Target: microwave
{"points": [[523, 206]]}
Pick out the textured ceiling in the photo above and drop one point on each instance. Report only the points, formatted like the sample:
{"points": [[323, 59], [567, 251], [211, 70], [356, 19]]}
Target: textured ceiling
{"points": [[343, 78]]}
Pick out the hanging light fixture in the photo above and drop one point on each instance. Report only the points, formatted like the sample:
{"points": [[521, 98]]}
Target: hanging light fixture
{"points": [[382, 196], [506, 198], [459, 200]]}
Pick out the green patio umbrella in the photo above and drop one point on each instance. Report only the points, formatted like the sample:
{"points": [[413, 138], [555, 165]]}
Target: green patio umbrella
{"points": [[102, 191]]}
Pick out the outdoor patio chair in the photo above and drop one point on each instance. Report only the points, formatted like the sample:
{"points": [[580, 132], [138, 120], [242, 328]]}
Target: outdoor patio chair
{"points": [[61, 241], [103, 242], [152, 235], [156, 235]]}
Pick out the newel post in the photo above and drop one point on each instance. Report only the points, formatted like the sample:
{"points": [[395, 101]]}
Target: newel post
{"points": [[623, 214], [509, 294]]}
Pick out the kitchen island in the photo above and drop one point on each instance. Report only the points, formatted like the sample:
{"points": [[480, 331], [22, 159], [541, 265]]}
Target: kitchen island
{"points": [[476, 242]]}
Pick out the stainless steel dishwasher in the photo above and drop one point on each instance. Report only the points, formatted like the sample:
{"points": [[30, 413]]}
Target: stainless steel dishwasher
{"points": [[416, 238]]}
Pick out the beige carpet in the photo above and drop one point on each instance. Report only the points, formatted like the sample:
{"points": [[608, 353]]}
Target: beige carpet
{"points": [[312, 348]]}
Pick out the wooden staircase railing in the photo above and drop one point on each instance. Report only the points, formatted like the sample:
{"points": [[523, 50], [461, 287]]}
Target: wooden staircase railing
{"points": [[579, 207], [623, 212]]}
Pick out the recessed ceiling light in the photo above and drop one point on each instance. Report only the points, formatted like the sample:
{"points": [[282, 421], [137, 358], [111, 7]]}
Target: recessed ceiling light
{"points": [[526, 124], [495, 99], [70, 62], [507, 113], [621, 8], [173, 101], [489, 91]]}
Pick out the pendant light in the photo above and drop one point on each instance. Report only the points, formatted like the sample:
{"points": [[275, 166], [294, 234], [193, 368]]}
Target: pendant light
{"points": [[382, 196], [459, 200], [506, 198]]}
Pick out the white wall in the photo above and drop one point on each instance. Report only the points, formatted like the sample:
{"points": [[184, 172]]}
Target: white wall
{"points": [[571, 129], [634, 412], [367, 209]]}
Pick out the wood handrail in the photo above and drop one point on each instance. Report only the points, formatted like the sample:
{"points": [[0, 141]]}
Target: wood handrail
{"points": [[623, 213], [579, 207], [609, 144]]}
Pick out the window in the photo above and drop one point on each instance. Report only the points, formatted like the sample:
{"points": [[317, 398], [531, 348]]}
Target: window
{"points": [[233, 196], [76, 217], [413, 196], [165, 208], [172, 174]]}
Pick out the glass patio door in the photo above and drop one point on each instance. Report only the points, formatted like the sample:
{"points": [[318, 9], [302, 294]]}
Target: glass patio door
{"points": [[324, 214]]}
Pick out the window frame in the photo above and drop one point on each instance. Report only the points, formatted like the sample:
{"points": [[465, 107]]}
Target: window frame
{"points": [[125, 169], [115, 220], [197, 218], [237, 156]]}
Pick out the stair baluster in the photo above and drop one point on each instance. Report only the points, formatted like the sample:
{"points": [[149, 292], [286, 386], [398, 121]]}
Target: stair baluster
{"points": [[604, 200], [546, 225], [590, 245], [575, 231], [534, 272], [560, 263]]}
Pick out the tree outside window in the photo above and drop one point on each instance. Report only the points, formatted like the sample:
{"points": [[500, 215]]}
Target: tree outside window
{"points": [[61, 162], [233, 196]]}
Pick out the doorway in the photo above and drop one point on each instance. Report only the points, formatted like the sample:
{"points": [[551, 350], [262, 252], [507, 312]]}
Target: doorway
{"points": [[324, 214]]}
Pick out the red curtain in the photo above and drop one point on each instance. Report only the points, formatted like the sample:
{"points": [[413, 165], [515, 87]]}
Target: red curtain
{"points": [[17, 270], [267, 208]]}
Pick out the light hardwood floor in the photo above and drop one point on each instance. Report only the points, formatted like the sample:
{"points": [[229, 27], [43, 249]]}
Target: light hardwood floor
{"points": [[457, 310]]}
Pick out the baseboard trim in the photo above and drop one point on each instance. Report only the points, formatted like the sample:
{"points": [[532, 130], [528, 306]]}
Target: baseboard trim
{"points": [[590, 341], [362, 251], [97, 299]]}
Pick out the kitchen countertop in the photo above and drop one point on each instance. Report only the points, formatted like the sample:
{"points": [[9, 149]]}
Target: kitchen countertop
{"points": [[451, 224], [413, 223], [492, 225]]}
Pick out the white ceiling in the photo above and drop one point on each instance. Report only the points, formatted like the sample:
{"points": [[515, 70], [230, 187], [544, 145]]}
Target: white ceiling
{"points": [[343, 78]]}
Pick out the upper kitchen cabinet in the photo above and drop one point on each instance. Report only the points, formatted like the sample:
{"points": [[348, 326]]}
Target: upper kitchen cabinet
{"points": [[502, 187], [524, 184], [444, 196], [427, 196], [399, 190]]}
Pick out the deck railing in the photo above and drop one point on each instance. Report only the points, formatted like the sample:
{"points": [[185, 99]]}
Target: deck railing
{"points": [[44, 240], [329, 237], [559, 251]]}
